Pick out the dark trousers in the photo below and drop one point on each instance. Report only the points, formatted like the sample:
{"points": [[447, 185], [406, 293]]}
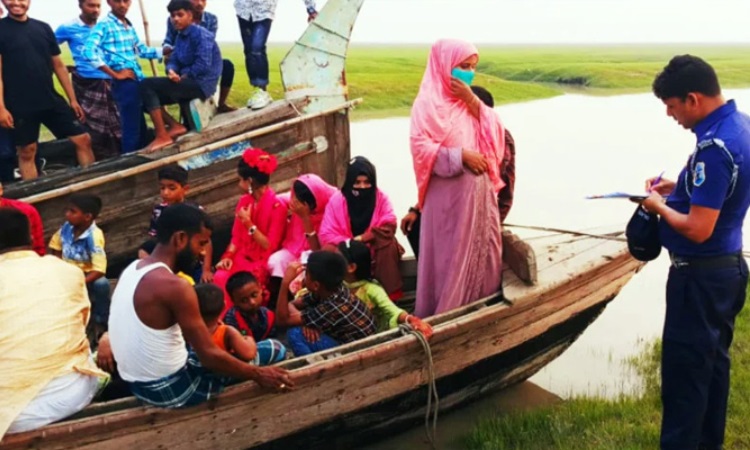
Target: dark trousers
{"points": [[702, 304], [99, 297], [7, 156], [227, 74], [160, 91], [254, 39], [127, 97]]}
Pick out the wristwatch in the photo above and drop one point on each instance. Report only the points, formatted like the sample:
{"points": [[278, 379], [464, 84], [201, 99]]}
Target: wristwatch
{"points": [[251, 231]]}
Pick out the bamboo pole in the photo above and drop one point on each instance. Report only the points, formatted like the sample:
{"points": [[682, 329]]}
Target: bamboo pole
{"points": [[76, 187], [147, 33]]}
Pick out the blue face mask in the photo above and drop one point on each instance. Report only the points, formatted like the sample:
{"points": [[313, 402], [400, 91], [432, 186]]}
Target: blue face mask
{"points": [[467, 76]]}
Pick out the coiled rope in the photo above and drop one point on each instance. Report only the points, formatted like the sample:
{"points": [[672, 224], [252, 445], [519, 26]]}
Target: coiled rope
{"points": [[433, 399]]}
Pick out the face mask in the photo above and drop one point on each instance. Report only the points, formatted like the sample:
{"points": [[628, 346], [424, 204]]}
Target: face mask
{"points": [[467, 76]]}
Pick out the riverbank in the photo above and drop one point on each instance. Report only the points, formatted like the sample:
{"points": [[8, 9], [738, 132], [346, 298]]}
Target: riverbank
{"points": [[626, 422], [388, 77]]}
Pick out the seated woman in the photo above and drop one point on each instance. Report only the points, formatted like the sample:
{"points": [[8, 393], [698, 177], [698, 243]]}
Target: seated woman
{"points": [[259, 224], [364, 213], [193, 71], [306, 204]]}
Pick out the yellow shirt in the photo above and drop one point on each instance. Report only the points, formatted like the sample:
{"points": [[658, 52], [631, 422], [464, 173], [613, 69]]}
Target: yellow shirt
{"points": [[44, 309]]}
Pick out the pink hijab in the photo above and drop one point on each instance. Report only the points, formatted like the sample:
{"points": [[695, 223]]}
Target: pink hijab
{"points": [[295, 241], [438, 119]]}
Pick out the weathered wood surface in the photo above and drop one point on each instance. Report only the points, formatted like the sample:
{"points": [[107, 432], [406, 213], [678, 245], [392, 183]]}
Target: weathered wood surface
{"points": [[128, 201], [575, 275]]}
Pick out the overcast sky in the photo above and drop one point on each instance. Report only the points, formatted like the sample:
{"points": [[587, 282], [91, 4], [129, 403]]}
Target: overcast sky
{"points": [[486, 21]]}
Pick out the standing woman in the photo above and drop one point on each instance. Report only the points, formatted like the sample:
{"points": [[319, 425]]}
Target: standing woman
{"points": [[259, 223], [457, 144], [363, 212]]}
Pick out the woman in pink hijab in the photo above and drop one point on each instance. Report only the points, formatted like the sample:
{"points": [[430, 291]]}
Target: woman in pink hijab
{"points": [[306, 203], [457, 144]]}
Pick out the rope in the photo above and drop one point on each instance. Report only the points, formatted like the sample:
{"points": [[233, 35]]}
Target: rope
{"points": [[433, 399], [614, 236]]}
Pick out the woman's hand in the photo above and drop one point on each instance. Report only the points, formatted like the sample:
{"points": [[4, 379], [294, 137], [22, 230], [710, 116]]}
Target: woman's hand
{"points": [[420, 326], [474, 161], [664, 187], [299, 208], [462, 91], [225, 264], [245, 217], [407, 223]]}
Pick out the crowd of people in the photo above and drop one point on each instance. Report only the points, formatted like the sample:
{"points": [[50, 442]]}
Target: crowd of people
{"points": [[107, 91]]}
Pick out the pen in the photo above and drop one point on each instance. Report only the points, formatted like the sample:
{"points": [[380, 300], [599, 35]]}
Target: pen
{"points": [[657, 180]]}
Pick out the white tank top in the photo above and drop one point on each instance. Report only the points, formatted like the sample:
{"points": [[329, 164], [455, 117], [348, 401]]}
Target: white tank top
{"points": [[142, 353]]}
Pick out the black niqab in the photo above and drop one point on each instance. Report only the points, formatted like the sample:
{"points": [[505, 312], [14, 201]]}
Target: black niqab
{"points": [[360, 202]]}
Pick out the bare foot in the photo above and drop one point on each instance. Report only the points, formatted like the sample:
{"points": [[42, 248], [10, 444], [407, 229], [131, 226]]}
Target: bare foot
{"points": [[177, 130], [224, 108], [159, 143]]}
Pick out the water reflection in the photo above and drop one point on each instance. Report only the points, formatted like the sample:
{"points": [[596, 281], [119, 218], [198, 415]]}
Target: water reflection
{"points": [[570, 147]]}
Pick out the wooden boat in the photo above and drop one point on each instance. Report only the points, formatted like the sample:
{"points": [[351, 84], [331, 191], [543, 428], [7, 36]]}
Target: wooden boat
{"points": [[378, 385], [308, 131]]}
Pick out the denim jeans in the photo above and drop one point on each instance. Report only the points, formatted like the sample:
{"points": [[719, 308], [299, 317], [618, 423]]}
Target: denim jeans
{"points": [[301, 346], [254, 38], [128, 99], [99, 297]]}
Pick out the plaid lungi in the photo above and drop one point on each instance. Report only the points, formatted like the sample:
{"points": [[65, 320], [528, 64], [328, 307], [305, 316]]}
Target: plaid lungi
{"points": [[95, 97], [190, 386]]}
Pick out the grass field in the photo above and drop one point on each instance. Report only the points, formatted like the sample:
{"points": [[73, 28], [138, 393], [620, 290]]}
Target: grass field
{"points": [[626, 423], [388, 77]]}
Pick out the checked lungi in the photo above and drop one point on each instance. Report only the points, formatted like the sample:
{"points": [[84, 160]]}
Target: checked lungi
{"points": [[102, 119]]}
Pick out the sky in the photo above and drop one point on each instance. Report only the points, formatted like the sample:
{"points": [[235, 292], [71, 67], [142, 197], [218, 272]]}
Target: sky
{"points": [[483, 21]]}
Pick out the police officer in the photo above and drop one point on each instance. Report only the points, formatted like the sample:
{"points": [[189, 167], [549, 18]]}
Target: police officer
{"points": [[701, 227]]}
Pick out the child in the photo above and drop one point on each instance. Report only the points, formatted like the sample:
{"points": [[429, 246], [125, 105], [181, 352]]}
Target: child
{"points": [[328, 315], [173, 188], [361, 284], [81, 243], [247, 314], [227, 338], [114, 47]]}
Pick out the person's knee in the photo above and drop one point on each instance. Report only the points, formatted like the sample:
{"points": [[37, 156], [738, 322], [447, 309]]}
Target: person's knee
{"points": [[26, 152], [228, 65]]}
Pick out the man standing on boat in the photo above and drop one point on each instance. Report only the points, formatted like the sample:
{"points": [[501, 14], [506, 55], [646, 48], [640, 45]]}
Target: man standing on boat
{"points": [[154, 313], [29, 56], [255, 18], [92, 86], [701, 227]]}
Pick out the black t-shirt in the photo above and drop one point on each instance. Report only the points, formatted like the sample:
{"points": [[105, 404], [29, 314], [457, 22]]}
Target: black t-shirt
{"points": [[27, 49]]}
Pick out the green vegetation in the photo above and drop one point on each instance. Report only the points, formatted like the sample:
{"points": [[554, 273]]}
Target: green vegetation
{"points": [[388, 77], [620, 424]]}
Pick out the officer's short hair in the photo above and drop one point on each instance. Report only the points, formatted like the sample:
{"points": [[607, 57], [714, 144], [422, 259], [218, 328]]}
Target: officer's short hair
{"points": [[685, 74]]}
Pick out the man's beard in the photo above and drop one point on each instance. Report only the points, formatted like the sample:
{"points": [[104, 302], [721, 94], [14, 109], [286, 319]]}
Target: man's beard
{"points": [[186, 261]]}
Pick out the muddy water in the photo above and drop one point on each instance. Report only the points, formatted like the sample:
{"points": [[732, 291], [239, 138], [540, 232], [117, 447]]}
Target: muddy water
{"points": [[568, 147]]}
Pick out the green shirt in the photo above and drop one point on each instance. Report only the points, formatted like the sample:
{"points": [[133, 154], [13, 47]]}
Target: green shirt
{"points": [[374, 296]]}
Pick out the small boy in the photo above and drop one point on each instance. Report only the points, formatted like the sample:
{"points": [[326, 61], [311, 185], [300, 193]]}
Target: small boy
{"points": [[173, 188], [81, 243], [227, 338], [246, 313], [328, 315]]}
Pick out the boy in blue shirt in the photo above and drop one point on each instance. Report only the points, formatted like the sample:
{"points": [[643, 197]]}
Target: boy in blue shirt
{"points": [[92, 86]]}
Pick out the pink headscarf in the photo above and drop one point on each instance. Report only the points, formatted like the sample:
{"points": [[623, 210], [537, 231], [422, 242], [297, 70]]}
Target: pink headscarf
{"points": [[295, 241], [438, 119]]}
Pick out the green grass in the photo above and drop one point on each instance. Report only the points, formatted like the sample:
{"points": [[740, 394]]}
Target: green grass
{"points": [[623, 423], [388, 77]]}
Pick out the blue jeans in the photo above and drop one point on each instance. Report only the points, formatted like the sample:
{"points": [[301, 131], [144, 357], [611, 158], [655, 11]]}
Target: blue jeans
{"points": [[698, 329], [301, 346], [128, 99], [254, 39], [99, 298]]}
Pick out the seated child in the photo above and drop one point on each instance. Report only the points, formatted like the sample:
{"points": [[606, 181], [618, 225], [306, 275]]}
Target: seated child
{"points": [[328, 315], [247, 314], [81, 243], [361, 284], [227, 338], [173, 188]]}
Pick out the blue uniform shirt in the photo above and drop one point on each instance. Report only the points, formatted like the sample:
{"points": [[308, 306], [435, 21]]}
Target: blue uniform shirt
{"points": [[75, 34], [717, 176]]}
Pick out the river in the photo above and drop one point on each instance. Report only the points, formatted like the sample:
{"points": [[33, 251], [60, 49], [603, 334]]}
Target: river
{"points": [[568, 147]]}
